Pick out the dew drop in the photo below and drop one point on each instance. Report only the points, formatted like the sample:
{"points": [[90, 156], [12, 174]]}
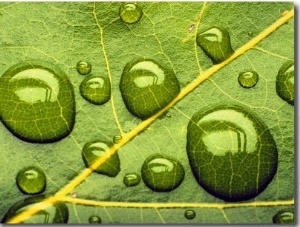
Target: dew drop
{"points": [[95, 89], [93, 150], [56, 213], [161, 173], [147, 87], [215, 42], [231, 152], [94, 219], [131, 179], [116, 139], [37, 102], [285, 82], [248, 79], [250, 33], [130, 12], [31, 180], [83, 67], [190, 214], [285, 216]]}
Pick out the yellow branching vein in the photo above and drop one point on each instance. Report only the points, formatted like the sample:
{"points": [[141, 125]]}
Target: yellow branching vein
{"points": [[144, 124]]}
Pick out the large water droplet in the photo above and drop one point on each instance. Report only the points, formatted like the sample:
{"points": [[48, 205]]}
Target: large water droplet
{"points": [[56, 213], [37, 102], [231, 152], [147, 87], [130, 12], [190, 214], [83, 67], [131, 179], [215, 42], [95, 89], [285, 216], [162, 173], [248, 79], [94, 219], [285, 82], [93, 150], [31, 180]]}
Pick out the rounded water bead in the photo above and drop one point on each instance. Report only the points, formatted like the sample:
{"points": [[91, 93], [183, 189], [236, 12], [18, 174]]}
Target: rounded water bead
{"points": [[116, 139], [285, 82], [83, 67], [37, 102], [162, 173], [95, 89], [147, 87], [93, 150], [94, 219], [190, 214], [131, 179], [130, 12], [248, 79], [285, 216], [215, 42], [231, 152]]}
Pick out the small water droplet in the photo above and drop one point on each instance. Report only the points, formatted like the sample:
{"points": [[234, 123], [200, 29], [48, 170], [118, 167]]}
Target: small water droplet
{"points": [[74, 195], [116, 139], [94, 219], [248, 79], [95, 89], [215, 42], [31, 180], [223, 142], [250, 33], [285, 216], [93, 150], [147, 87], [56, 213], [131, 179], [37, 102], [83, 67], [285, 82], [130, 12], [190, 214], [161, 173]]}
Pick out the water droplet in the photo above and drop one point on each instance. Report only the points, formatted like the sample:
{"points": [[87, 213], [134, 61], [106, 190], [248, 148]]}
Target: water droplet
{"points": [[131, 179], [116, 139], [31, 180], [92, 151], [285, 82], [74, 195], [215, 42], [285, 216], [231, 152], [130, 12], [161, 173], [83, 67], [190, 214], [147, 87], [95, 89], [248, 79], [94, 219], [56, 213], [37, 102], [250, 33]]}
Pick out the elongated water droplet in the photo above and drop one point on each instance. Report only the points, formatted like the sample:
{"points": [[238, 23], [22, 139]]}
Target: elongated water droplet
{"points": [[83, 67], [130, 12], [37, 102], [116, 139], [215, 42], [285, 82], [147, 87], [190, 214], [285, 216], [131, 179], [94, 219], [231, 152], [31, 180], [56, 213], [162, 173], [248, 79], [93, 150], [95, 89]]}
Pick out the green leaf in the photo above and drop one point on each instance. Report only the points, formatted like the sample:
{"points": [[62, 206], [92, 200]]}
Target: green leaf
{"points": [[66, 33]]}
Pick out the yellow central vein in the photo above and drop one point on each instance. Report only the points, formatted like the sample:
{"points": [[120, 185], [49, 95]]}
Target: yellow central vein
{"points": [[108, 71], [144, 124]]}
